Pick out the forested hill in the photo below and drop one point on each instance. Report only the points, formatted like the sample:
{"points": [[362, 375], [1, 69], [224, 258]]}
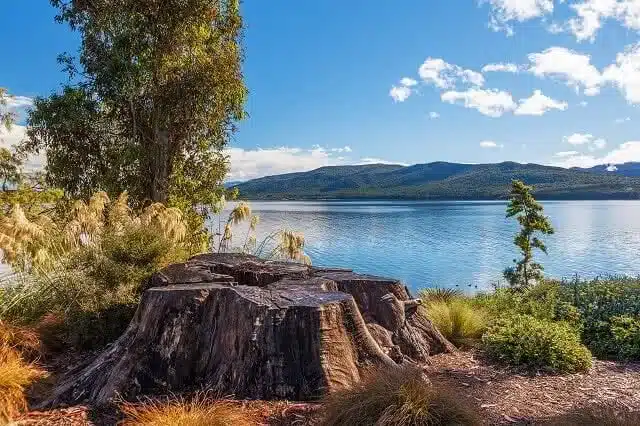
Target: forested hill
{"points": [[442, 181]]}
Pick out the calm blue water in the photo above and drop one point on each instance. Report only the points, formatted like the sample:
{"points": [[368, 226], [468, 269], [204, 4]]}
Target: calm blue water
{"points": [[463, 244]]}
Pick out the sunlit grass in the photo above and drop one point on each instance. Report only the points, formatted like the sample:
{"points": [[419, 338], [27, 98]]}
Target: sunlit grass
{"points": [[199, 411]]}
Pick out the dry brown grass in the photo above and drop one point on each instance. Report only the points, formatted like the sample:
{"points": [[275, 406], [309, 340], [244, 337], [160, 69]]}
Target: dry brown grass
{"points": [[398, 396], [15, 377], [25, 340], [200, 411]]}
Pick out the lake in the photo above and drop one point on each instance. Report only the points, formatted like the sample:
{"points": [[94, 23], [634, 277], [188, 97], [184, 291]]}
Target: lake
{"points": [[456, 244]]}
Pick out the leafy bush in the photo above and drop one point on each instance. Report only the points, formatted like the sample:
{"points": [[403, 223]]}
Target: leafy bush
{"points": [[625, 333], [457, 319], [197, 412], [603, 305], [15, 376], [535, 343], [540, 301], [397, 396]]}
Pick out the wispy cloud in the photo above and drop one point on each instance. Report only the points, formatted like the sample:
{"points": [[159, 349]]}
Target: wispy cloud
{"points": [[626, 152], [490, 145], [501, 67], [443, 75], [505, 12]]}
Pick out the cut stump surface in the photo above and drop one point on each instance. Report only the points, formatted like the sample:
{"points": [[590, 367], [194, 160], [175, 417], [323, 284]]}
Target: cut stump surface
{"points": [[238, 325]]}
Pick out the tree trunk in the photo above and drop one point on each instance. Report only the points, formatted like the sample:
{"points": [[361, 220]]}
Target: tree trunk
{"points": [[160, 166], [240, 326]]}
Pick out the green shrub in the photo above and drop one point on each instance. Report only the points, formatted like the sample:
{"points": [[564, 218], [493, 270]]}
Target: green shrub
{"points": [[397, 396], [625, 332], [458, 320], [524, 340], [598, 302], [540, 301]]}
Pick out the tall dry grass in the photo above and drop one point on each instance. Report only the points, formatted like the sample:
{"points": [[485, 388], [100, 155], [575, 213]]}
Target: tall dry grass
{"points": [[85, 263], [284, 244]]}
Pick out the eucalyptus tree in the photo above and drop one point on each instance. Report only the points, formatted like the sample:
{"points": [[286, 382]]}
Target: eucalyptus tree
{"points": [[530, 215], [153, 98]]}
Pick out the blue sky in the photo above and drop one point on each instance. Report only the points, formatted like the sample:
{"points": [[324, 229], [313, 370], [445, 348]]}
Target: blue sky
{"points": [[335, 82]]}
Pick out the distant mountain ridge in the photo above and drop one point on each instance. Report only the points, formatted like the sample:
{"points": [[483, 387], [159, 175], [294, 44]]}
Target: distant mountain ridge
{"points": [[625, 169], [446, 181]]}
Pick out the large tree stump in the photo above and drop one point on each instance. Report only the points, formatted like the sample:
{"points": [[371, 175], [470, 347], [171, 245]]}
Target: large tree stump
{"points": [[238, 325]]}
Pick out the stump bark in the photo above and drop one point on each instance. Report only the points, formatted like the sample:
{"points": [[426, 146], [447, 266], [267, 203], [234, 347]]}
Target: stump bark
{"points": [[238, 325]]}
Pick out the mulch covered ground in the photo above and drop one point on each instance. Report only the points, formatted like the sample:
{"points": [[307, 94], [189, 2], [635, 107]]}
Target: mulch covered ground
{"points": [[505, 396], [508, 396]]}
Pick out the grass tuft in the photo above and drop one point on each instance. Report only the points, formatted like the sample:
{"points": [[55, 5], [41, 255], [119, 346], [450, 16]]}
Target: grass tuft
{"points": [[25, 340], [458, 320], [15, 376], [399, 396], [199, 411], [438, 294]]}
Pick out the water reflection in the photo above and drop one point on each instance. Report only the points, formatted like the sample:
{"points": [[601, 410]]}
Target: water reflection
{"points": [[464, 244]]}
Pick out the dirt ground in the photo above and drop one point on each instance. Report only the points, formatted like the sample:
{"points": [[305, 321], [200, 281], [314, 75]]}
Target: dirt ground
{"points": [[503, 395], [507, 396]]}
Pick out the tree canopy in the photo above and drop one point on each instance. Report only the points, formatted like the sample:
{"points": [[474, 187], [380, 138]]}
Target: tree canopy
{"points": [[153, 98]]}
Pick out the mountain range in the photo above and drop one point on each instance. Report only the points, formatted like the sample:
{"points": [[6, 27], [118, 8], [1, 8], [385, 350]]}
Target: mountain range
{"points": [[446, 181]]}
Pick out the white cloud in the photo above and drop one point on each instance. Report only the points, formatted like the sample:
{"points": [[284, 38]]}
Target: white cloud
{"points": [[503, 12], [572, 67], [564, 154], [597, 144], [408, 82], [253, 163], [538, 104], [250, 164], [10, 138], [583, 103], [587, 139], [400, 93], [556, 28], [373, 160], [17, 105], [495, 103], [501, 67], [345, 148], [579, 138], [625, 73], [590, 15], [489, 144], [444, 75], [18, 102], [622, 120], [491, 102], [434, 115], [626, 152]]}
